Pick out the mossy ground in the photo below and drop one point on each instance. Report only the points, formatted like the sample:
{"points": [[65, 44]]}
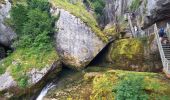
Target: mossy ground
{"points": [[23, 60], [156, 85], [79, 10], [99, 82]]}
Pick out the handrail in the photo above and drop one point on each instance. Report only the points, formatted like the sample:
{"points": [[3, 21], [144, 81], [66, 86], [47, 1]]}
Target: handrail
{"points": [[164, 60], [168, 31], [131, 26]]}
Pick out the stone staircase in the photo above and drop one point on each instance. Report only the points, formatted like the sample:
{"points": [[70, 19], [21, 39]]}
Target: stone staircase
{"points": [[164, 50]]}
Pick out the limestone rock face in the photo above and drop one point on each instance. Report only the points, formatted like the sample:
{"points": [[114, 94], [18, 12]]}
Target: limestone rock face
{"points": [[6, 81], [157, 10], [36, 80], [76, 43], [112, 7], [6, 33]]}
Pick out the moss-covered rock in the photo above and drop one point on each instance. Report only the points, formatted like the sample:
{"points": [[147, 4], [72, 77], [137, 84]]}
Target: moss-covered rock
{"points": [[127, 52], [27, 70]]}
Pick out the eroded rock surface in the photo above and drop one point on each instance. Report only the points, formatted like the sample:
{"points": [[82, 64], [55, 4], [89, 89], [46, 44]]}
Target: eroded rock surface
{"points": [[76, 43], [157, 10], [6, 81], [6, 33], [36, 80]]}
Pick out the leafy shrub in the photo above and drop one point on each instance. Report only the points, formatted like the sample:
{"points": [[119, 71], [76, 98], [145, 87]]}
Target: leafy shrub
{"points": [[34, 26], [98, 6], [33, 23], [22, 81], [42, 5], [19, 17], [131, 88], [38, 27]]}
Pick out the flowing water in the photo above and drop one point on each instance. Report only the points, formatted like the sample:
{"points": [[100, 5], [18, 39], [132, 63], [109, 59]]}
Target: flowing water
{"points": [[65, 77], [45, 90]]}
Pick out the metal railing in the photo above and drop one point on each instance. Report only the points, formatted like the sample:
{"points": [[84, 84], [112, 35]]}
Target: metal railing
{"points": [[165, 61], [168, 30]]}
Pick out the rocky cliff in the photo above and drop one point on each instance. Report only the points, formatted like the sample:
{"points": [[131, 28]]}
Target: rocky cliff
{"points": [[157, 10], [7, 35], [78, 39]]}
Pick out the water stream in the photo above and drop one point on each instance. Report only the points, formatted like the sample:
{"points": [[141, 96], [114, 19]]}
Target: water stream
{"points": [[45, 90], [67, 76]]}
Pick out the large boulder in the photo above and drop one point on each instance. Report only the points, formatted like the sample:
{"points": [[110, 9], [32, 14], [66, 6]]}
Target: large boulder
{"points": [[76, 43], [6, 33]]}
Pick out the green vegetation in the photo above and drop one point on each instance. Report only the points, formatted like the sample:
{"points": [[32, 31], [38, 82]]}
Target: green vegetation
{"points": [[25, 59], [131, 88], [103, 87], [19, 17], [110, 31], [130, 51], [125, 85], [134, 5], [97, 5], [34, 26], [79, 10]]}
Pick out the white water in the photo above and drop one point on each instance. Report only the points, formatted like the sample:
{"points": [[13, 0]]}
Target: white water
{"points": [[45, 90]]}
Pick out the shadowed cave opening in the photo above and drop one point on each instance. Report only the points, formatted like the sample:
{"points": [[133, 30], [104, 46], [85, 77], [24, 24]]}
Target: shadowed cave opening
{"points": [[4, 51], [101, 58]]}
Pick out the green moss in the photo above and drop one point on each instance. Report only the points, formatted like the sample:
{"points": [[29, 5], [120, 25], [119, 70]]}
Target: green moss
{"points": [[79, 10], [130, 51], [111, 31], [23, 60], [154, 85]]}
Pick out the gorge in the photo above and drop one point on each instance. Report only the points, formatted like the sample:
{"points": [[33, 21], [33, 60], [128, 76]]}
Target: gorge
{"points": [[82, 50]]}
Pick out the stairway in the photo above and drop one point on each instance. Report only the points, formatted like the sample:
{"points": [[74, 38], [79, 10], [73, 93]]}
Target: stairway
{"points": [[164, 50]]}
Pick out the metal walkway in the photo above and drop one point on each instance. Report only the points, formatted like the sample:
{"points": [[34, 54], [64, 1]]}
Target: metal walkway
{"points": [[164, 50]]}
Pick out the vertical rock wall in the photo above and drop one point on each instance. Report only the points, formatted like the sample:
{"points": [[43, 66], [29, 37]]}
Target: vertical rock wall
{"points": [[6, 33]]}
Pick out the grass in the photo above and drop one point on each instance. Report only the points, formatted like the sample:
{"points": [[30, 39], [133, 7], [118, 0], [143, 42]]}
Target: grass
{"points": [[79, 10], [23, 60], [156, 86]]}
